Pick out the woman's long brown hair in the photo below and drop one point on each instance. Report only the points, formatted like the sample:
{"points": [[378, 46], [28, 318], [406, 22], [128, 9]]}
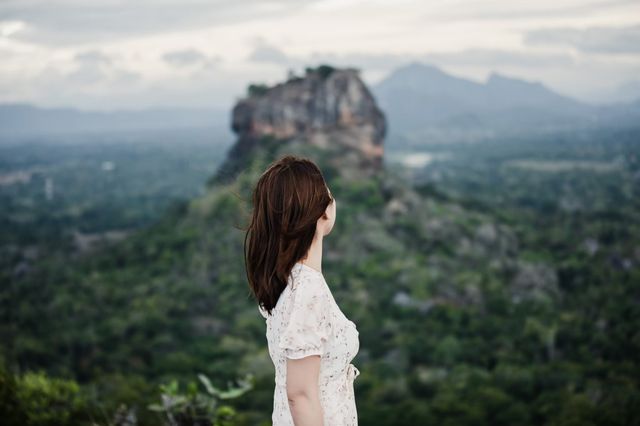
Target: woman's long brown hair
{"points": [[288, 199]]}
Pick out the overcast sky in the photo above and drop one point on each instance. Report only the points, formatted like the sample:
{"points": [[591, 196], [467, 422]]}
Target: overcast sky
{"points": [[105, 54]]}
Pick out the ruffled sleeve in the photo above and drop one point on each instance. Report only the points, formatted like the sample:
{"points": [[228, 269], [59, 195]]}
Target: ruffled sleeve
{"points": [[309, 325]]}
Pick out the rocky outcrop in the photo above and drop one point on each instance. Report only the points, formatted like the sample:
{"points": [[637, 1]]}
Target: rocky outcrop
{"points": [[328, 108]]}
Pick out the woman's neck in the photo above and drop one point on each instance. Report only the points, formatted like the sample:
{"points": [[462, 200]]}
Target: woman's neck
{"points": [[314, 255]]}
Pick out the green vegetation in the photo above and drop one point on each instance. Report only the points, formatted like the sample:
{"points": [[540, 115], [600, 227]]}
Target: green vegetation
{"points": [[506, 294], [35, 399], [323, 70], [257, 90], [197, 408], [98, 184]]}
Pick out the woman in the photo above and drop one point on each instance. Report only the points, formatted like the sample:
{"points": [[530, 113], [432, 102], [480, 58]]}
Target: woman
{"points": [[311, 342]]}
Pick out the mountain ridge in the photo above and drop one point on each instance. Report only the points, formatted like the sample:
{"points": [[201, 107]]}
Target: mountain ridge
{"points": [[427, 105], [25, 119]]}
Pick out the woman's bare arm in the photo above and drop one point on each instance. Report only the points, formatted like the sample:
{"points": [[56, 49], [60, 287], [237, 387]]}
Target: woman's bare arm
{"points": [[303, 391]]}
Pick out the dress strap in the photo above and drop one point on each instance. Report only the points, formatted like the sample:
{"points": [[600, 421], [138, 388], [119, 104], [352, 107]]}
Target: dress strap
{"points": [[352, 372]]}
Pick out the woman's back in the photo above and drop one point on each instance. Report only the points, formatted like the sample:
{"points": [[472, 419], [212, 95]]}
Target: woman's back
{"points": [[307, 321]]}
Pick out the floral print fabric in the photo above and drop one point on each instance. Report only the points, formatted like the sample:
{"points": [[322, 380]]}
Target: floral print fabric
{"points": [[307, 321]]}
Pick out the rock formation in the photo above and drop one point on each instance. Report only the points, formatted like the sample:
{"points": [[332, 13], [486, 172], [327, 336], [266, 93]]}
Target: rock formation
{"points": [[328, 108]]}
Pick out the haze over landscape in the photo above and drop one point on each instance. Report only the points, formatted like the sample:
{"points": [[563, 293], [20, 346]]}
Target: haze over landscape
{"points": [[485, 158]]}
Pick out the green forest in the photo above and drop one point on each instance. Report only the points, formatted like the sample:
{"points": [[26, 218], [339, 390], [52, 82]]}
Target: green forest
{"points": [[498, 284]]}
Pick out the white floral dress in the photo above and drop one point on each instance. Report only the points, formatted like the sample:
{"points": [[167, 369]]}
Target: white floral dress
{"points": [[307, 321]]}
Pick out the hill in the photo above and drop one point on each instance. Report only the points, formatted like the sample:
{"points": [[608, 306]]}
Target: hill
{"points": [[425, 105], [20, 120]]}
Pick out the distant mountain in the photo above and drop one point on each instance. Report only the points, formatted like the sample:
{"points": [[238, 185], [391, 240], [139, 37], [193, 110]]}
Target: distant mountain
{"points": [[425, 104], [628, 91], [620, 114], [22, 119]]}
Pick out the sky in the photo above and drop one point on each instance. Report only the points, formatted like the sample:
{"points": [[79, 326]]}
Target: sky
{"points": [[118, 54]]}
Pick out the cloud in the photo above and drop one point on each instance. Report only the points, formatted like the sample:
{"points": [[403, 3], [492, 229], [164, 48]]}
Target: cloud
{"points": [[92, 66], [8, 28], [361, 60], [65, 22], [184, 57], [608, 40], [511, 10], [190, 57], [94, 70], [499, 57], [268, 54], [93, 57]]}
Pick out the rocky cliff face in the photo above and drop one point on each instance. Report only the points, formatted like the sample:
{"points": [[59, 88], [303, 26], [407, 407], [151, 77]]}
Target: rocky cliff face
{"points": [[328, 108]]}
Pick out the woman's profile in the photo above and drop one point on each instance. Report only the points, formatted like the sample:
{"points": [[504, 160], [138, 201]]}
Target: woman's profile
{"points": [[311, 342]]}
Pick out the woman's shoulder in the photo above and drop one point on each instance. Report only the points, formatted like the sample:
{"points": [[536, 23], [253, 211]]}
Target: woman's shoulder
{"points": [[307, 278], [304, 283], [308, 286]]}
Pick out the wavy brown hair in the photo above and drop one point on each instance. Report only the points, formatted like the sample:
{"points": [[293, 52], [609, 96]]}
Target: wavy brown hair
{"points": [[288, 199]]}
